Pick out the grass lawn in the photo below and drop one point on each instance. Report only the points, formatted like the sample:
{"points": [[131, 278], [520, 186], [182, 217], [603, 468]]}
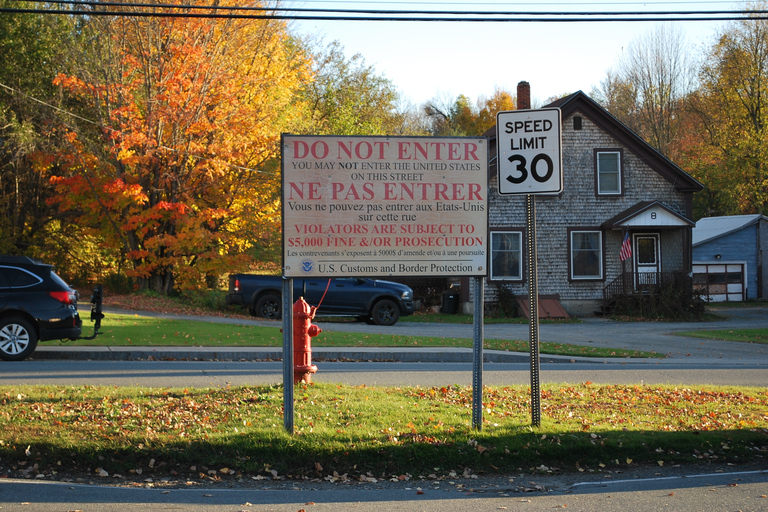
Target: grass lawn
{"points": [[195, 436], [366, 434], [141, 331], [742, 335]]}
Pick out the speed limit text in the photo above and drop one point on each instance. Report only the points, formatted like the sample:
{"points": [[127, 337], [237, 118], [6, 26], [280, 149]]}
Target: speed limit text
{"points": [[526, 127]]}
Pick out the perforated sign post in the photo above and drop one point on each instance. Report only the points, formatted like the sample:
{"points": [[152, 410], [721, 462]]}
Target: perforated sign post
{"points": [[529, 160]]}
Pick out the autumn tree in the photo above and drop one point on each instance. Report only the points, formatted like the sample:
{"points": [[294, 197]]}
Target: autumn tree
{"points": [[176, 166], [444, 115], [648, 88], [732, 110], [462, 118]]}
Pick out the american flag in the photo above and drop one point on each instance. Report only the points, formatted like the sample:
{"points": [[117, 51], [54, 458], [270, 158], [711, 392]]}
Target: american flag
{"points": [[626, 247]]}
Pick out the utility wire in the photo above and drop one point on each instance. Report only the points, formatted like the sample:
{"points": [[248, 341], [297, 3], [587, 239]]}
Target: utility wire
{"points": [[614, 17], [243, 12], [408, 2], [98, 3]]}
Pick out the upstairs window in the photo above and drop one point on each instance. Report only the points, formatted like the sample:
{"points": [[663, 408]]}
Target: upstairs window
{"points": [[608, 172]]}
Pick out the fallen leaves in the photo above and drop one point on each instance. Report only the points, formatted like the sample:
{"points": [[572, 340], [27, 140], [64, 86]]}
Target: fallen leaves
{"points": [[154, 425], [611, 406]]}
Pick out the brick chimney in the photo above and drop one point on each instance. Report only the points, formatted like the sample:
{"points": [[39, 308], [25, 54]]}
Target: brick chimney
{"points": [[523, 96]]}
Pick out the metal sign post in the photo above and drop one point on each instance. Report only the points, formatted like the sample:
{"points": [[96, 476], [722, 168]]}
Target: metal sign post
{"points": [[288, 355], [477, 370], [529, 149], [533, 309]]}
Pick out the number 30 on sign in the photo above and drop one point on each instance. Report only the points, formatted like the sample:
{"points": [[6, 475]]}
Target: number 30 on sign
{"points": [[529, 151]]}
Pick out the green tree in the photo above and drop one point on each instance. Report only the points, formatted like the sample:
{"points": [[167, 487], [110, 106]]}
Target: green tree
{"points": [[31, 53], [345, 96]]}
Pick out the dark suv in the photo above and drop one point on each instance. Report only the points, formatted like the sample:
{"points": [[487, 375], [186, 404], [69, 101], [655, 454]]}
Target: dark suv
{"points": [[35, 305]]}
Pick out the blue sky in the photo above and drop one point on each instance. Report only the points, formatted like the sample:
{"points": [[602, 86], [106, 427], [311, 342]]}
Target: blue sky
{"points": [[426, 60]]}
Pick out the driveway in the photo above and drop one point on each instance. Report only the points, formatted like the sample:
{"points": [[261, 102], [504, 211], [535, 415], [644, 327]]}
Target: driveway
{"points": [[593, 332]]}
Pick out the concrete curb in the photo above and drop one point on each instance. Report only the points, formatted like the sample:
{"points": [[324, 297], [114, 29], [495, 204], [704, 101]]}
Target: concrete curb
{"points": [[374, 354]]}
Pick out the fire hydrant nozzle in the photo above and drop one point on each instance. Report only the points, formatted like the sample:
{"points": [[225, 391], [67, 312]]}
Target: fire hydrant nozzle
{"points": [[303, 332]]}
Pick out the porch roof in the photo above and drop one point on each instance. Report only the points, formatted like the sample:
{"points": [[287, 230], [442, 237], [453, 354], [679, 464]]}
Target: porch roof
{"points": [[647, 214]]}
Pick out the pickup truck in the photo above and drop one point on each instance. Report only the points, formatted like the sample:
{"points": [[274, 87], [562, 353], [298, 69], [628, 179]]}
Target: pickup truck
{"points": [[370, 300]]}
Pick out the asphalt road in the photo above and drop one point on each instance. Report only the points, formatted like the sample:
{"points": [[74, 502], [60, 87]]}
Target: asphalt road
{"points": [[718, 488], [244, 373]]}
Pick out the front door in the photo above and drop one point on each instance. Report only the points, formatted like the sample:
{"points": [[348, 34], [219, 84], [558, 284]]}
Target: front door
{"points": [[647, 259]]}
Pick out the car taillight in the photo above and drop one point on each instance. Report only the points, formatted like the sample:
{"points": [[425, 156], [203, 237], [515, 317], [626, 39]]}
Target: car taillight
{"points": [[237, 285], [64, 297]]}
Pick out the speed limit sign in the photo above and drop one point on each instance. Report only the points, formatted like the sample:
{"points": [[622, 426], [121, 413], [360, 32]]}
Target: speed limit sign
{"points": [[529, 151]]}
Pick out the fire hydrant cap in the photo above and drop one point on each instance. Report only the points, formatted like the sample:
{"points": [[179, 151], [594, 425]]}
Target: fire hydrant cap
{"points": [[302, 308]]}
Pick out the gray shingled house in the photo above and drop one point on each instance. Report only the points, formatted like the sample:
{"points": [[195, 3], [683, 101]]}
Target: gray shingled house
{"points": [[615, 184]]}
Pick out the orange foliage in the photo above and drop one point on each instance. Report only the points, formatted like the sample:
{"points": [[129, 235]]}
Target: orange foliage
{"points": [[195, 110]]}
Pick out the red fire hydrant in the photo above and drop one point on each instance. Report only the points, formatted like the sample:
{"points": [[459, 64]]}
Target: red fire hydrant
{"points": [[303, 332]]}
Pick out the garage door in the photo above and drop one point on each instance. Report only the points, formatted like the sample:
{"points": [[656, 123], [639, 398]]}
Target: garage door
{"points": [[720, 282]]}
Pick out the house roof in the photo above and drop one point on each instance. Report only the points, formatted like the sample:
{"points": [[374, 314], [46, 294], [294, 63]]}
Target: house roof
{"points": [[580, 102], [647, 214], [710, 228]]}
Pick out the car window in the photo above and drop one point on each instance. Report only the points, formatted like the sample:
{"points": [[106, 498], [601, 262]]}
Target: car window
{"points": [[19, 278], [59, 281]]}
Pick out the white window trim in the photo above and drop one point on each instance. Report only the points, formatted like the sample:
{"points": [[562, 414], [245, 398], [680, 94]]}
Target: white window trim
{"points": [[600, 251]]}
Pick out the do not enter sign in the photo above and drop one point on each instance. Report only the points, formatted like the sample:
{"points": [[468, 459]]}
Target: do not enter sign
{"points": [[529, 154]]}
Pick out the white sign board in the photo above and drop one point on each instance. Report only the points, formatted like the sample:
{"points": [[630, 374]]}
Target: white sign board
{"points": [[384, 206], [529, 151]]}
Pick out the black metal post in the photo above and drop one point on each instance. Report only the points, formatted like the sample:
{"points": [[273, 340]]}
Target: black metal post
{"points": [[533, 310], [477, 371]]}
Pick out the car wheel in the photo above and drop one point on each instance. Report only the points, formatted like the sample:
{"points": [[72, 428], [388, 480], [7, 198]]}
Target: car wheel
{"points": [[18, 339], [385, 312], [269, 306]]}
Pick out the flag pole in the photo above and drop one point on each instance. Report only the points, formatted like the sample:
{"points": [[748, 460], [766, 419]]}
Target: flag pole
{"points": [[624, 254]]}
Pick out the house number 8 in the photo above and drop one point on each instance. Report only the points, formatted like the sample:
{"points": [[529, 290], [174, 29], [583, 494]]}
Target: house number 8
{"points": [[521, 168], [653, 215]]}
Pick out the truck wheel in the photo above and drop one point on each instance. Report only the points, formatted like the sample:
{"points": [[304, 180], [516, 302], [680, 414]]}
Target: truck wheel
{"points": [[385, 312], [18, 339], [269, 306]]}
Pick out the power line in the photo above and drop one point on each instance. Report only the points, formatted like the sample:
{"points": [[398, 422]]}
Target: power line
{"points": [[99, 3], [407, 16], [408, 2]]}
